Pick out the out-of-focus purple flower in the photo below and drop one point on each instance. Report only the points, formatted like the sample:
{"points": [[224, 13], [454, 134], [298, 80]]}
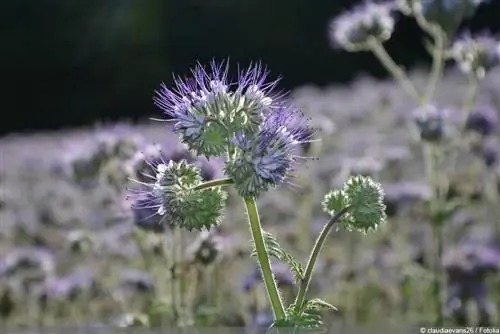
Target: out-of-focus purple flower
{"points": [[489, 152], [448, 14], [354, 29], [476, 55], [263, 319], [430, 121], [267, 158], [482, 120], [28, 259], [402, 193], [80, 281], [133, 280], [206, 249], [467, 268]]}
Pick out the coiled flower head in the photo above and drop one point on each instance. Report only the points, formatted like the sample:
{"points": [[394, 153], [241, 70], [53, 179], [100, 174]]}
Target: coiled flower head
{"points": [[447, 14], [207, 109], [353, 30], [266, 158], [174, 199], [476, 55], [364, 200]]}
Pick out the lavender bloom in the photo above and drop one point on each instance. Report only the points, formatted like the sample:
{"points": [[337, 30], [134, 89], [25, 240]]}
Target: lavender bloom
{"points": [[476, 55], [399, 194], [206, 249], [353, 30], [433, 122], [69, 287], [133, 280], [490, 155], [207, 108], [448, 14], [483, 120], [467, 268], [266, 159]]}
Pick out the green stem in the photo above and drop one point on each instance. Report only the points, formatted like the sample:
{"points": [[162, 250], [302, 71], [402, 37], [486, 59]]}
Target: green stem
{"points": [[394, 69], [214, 183], [262, 255], [472, 94], [304, 284], [439, 280], [437, 66], [493, 198]]}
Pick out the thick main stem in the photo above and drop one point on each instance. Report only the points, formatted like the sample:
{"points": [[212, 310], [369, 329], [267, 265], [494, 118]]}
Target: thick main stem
{"points": [[263, 257], [318, 245]]}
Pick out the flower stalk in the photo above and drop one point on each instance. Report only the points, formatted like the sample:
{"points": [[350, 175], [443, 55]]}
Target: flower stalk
{"points": [[311, 262], [263, 258]]}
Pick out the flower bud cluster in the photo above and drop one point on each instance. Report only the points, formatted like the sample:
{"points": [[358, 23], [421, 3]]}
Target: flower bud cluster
{"points": [[353, 30], [364, 201], [173, 198]]}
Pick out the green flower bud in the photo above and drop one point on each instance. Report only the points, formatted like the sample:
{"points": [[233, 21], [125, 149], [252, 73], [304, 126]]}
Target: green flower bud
{"points": [[366, 203]]}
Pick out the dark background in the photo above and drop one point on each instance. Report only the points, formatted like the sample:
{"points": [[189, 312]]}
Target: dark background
{"points": [[71, 63]]}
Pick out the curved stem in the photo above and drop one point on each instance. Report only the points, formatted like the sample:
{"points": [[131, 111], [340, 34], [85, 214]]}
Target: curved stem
{"points": [[394, 69], [262, 255], [304, 284], [214, 183]]}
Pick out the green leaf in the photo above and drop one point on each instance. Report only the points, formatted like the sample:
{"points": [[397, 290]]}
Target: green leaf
{"points": [[275, 250], [318, 305]]}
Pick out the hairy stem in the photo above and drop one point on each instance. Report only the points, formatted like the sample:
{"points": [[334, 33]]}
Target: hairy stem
{"points": [[318, 245], [263, 257], [214, 183], [394, 69], [264, 262]]}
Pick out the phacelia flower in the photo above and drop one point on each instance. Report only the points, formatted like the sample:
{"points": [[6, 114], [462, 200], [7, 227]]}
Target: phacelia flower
{"points": [[207, 109], [482, 120], [476, 55], [266, 159], [172, 195], [467, 268], [353, 30], [206, 249], [447, 14], [431, 122]]}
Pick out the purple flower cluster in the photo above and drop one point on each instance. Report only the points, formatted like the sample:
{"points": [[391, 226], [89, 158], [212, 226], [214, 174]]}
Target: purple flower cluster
{"points": [[267, 158], [248, 121]]}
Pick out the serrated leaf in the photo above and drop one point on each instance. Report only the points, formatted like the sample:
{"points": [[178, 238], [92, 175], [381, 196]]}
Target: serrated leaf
{"points": [[317, 305], [275, 250], [311, 323]]}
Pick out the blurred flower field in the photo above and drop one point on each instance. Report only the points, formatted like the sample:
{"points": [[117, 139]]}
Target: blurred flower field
{"points": [[73, 251]]}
